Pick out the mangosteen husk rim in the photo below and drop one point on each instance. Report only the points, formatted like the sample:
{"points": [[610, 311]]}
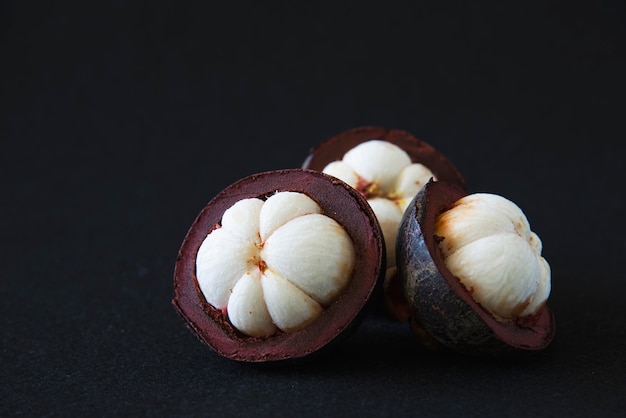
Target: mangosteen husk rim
{"points": [[439, 296], [334, 148], [338, 201]]}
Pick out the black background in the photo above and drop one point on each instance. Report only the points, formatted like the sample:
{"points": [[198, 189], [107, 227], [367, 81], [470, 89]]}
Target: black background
{"points": [[120, 121]]}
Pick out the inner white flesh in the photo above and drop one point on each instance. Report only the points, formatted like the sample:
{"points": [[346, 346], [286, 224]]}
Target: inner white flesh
{"points": [[384, 174], [275, 264], [488, 245]]}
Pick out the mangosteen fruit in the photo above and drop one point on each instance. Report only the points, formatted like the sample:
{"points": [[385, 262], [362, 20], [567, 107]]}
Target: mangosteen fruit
{"points": [[388, 167], [472, 272], [278, 266]]}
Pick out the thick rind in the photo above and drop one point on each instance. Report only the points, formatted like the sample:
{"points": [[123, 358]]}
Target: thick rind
{"points": [[419, 151], [439, 301], [338, 201]]}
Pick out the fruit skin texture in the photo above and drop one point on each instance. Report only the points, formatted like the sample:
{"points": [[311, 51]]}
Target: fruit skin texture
{"points": [[338, 201], [439, 303]]}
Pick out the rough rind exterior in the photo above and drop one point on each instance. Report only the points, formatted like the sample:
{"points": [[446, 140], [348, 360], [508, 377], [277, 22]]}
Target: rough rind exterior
{"points": [[440, 304]]}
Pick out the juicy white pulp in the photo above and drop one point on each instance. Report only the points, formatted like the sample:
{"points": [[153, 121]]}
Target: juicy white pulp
{"points": [[274, 264], [384, 174], [488, 245]]}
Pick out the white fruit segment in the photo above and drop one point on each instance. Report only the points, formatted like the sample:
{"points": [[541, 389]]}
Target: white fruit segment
{"points": [[384, 174], [222, 260], [290, 308], [314, 253], [487, 244], [282, 208], [274, 264], [246, 306], [389, 216], [377, 162]]}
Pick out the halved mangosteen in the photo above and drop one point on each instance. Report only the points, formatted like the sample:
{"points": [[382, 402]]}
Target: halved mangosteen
{"points": [[278, 266], [388, 167], [472, 273]]}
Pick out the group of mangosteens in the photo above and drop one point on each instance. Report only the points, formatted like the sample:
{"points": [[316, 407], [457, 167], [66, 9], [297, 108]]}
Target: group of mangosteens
{"points": [[280, 264]]}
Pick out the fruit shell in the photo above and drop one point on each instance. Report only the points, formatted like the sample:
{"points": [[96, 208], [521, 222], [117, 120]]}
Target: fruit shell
{"points": [[440, 303], [340, 202], [419, 151]]}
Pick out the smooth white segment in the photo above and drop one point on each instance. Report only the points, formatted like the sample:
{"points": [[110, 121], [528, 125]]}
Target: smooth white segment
{"points": [[502, 275], [246, 306], [281, 208], [290, 308], [479, 215], [409, 182], [377, 162], [274, 264], [384, 174], [487, 244], [314, 252], [389, 216], [222, 260], [242, 219]]}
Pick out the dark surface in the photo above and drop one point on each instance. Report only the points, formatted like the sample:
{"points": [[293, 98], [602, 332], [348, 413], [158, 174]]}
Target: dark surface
{"points": [[118, 123]]}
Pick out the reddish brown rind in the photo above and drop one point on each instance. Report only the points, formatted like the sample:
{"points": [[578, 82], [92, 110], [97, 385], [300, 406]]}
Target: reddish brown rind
{"points": [[338, 201], [440, 302], [419, 151]]}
